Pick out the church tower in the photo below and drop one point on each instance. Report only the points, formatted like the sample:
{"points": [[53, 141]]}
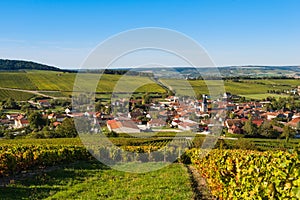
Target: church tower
{"points": [[204, 103]]}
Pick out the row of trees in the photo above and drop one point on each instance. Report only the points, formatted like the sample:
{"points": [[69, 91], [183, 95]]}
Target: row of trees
{"points": [[267, 130]]}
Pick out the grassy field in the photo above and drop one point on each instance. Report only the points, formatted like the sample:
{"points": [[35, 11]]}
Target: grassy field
{"points": [[92, 180]]}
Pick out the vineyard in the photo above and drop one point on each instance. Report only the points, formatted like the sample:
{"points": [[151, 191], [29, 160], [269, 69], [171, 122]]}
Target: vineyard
{"points": [[17, 158], [79, 175], [64, 82], [16, 95], [258, 88], [230, 173], [16, 80], [24, 154], [246, 174]]}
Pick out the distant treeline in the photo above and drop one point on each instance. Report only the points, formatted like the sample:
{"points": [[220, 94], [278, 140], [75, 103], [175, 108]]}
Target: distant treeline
{"points": [[117, 72], [13, 65]]}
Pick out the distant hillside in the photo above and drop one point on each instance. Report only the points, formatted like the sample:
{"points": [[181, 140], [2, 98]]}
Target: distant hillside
{"points": [[12, 65], [225, 72]]}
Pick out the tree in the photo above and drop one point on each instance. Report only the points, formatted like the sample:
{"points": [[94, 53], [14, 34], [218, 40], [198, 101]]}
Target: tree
{"points": [[267, 130], [146, 99], [66, 129], [298, 126], [36, 121], [287, 133], [99, 107], [47, 132], [250, 128], [10, 104]]}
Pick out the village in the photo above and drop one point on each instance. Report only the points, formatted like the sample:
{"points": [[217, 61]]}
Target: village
{"points": [[266, 118]]}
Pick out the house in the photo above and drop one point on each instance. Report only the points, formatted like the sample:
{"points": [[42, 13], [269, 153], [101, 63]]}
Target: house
{"points": [[72, 115], [288, 114], [230, 122], [67, 111], [21, 122], [56, 124], [272, 115], [44, 103], [235, 130], [294, 122], [230, 107], [51, 116], [227, 95], [156, 123], [172, 99], [60, 117], [175, 122], [258, 122], [188, 126], [296, 115], [122, 126], [12, 116]]}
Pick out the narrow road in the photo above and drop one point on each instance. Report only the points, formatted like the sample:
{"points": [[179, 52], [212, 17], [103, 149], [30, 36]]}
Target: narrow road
{"points": [[158, 82]]}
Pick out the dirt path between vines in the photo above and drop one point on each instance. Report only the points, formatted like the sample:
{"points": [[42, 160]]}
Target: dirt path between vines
{"points": [[199, 185]]}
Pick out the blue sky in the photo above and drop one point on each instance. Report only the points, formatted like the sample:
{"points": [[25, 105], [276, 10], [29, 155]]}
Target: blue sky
{"points": [[234, 32]]}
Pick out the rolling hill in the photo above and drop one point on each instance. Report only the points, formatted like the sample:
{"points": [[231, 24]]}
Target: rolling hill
{"points": [[13, 65]]}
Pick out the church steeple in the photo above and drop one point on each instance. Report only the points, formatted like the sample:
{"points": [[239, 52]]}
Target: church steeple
{"points": [[204, 103]]}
